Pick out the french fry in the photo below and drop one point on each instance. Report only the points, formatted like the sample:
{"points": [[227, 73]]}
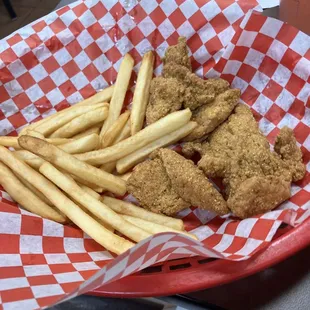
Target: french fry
{"points": [[114, 130], [72, 165], [34, 133], [95, 129], [126, 208], [125, 176], [34, 190], [162, 127], [24, 196], [82, 145], [124, 134], [102, 96], [96, 207], [129, 161], [60, 119], [12, 141], [154, 228], [81, 123], [119, 93], [141, 94], [90, 191]]}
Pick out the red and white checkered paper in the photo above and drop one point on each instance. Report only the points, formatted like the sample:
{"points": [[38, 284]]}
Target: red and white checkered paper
{"points": [[72, 53]]}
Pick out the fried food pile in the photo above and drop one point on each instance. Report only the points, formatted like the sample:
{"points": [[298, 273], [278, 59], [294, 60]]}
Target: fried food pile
{"points": [[256, 180], [169, 183], [231, 146], [211, 101]]}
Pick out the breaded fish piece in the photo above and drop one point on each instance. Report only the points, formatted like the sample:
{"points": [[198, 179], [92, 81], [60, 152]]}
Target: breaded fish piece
{"points": [[198, 92], [150, 184], [256, 179], [170, 183], [178, 54], [213, 114], [166, 96]]}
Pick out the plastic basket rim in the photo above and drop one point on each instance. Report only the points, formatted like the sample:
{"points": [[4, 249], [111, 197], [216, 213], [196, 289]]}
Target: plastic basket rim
{"points": [[208, 275]]}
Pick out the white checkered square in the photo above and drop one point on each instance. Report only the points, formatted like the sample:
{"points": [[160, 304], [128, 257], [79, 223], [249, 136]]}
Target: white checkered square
{"points": [[188, 8], [233, 12], [38, 73], [210, 10]]}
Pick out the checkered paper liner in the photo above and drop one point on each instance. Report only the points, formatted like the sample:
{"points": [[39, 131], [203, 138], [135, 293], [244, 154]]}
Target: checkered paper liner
{"points": [[75, 51]]}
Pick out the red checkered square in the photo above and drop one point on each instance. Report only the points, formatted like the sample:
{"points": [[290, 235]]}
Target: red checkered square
{"points": [[197, 20], [53, 245], [135, 36], [213, 45], [3, 94], [9, 244], [255, 23], [250, 95], [246, 72], [158, 16], [71, 68], [290, 59], [47, 84], [96, 30], [297, 109], [262, 43], [99, 10], [138, 13], [16, 294], [76, 27], [14, 39], [50, 64], [67, 88], [8, 56], [295, 84], [43, 105], [33, 41], [79, 9], [22, 101], [268, 66], [275, 114], [301, 132], [39, 26], [272, 90], [57, 26], [29, 60], [219, 23], [26, 80], [177, 18], [17, 120]]}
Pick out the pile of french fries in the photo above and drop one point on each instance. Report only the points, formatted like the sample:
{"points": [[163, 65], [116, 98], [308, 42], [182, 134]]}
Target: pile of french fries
{"points": [[59, 166]]}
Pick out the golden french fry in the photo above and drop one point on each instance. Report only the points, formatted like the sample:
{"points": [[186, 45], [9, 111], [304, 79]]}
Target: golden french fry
{"points": [[125, 176], [115, 130], [12, 141], [81, 123], [126, 208], [31, 176], [119, 93], [109, 167], [60, 119], [94, 129], [34, 190], [72, 165], [142, 92], [82, 145], [154, 228], [96, 207], [34, 133], [90, 191], [102, 96], [129, 161], [124, 134], [162, 127]]}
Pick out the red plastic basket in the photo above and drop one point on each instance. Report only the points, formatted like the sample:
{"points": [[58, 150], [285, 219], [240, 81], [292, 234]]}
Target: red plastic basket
{"points": [[193, 274]]}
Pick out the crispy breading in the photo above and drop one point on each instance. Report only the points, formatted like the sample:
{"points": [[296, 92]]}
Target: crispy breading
{"points": [[198, 92], [156, 183], [256, 179], [211, 115], [150, 184], [166, 96], [178, 54], [286, 147]]}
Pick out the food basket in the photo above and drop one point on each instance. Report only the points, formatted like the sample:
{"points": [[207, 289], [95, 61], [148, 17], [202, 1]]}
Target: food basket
{"points": [[76, 51]]}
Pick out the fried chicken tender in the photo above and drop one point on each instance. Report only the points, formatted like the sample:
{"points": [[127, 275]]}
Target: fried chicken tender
{"points": [[256, 179], [166, 96], [198, 92], [210, 116], [178, 54], [170, 183]]}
